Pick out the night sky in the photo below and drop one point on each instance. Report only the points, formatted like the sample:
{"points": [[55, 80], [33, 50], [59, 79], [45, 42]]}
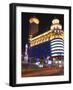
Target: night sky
{"points": [[44, 24]]}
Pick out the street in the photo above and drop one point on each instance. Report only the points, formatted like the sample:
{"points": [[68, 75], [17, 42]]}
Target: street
{"points": [[47, 71]]}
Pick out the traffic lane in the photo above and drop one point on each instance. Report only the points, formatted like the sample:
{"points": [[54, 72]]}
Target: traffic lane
{"points": [[43, 72]]}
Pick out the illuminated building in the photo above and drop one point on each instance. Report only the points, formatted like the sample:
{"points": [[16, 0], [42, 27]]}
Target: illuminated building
{"points": [[57, 43], [49, 43], [33, 26]]}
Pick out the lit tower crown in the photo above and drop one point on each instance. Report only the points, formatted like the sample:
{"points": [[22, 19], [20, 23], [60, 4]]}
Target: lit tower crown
{"points": [[34, 20], [33, 26], [56, 25]]}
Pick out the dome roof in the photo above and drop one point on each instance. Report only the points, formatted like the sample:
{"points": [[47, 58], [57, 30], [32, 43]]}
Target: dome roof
{"points": [[55, 21], [55, 24]]}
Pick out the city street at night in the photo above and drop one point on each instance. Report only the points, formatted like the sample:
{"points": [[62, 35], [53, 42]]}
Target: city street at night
{"points": [[42, 45], [45, 71]]}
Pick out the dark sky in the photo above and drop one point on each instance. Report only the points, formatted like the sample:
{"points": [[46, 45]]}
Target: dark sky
{"points": [[44, 25]]}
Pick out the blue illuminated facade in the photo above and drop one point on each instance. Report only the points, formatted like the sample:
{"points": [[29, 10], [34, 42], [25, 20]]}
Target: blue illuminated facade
{"points": [[41, 50], [52, 48], [57, 47]]}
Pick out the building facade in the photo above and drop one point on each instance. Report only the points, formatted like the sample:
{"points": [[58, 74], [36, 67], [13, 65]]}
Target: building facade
{"points": [[48, 45]]}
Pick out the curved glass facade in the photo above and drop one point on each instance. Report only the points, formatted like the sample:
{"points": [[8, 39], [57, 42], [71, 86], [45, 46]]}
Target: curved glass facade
{"points": [[57, 47]]}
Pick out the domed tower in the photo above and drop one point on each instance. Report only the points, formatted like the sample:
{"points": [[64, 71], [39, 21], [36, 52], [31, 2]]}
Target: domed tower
{"points": [[56, 27], [57, 42], [33, 26]]}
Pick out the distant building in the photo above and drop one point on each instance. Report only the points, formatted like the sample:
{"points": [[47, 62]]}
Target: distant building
{"points": [[26, 54], [33, 26]]}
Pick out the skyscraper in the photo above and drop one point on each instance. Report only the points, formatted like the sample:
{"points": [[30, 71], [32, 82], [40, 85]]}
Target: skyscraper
{"points": [[33, 26]]}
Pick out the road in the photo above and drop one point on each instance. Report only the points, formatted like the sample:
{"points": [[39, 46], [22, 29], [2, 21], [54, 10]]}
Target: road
{"points": [[43, 72]]}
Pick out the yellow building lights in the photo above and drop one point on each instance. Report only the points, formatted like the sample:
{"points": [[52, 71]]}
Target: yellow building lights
{"points": [[48, 35], [44, 38], [55, 21], [34, 20], [55, 24]]}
